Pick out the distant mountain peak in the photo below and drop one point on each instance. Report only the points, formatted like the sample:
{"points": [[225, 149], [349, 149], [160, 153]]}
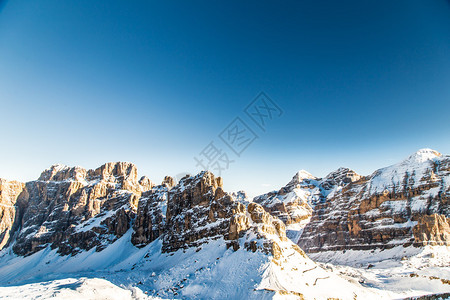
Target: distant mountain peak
{"points": [[423, 155], [302, 175], [341, 172]]}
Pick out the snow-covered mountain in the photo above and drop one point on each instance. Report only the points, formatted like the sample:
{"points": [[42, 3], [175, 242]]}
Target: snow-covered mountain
{"points": [[406, 203], [190, 240], [86, 233], [403, 204], [294, 203]]}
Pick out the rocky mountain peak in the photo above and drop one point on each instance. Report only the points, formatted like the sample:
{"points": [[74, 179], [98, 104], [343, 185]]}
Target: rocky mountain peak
{"points": [[60, 172], [340, 177], [146, 183], [169, 181], [124, 170], [113, 171], [290, 203], [191, 203], [300, 176], [241, 196], [197, 210], [293, 203]]}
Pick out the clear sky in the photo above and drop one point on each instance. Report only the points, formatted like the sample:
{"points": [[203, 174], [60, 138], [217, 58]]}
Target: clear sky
{"points": [[361, 84]]}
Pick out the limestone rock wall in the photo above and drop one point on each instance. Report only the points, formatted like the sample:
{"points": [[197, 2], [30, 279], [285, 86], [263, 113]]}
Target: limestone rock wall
{"points": [[397, 205], [13, 200], [197, 210], [150, 220], [64, 202], [432, 230]]}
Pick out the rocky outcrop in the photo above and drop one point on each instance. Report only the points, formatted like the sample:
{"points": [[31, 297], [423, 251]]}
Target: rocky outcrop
{"points": [[432, 230], [290, 203], [260, 231], [197, 210], [13, 200], [242, 197], [150, 220], [393, 206], [74, 209]]}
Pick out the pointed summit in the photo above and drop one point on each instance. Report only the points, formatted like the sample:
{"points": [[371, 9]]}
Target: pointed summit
{"points": [[300, 176]]}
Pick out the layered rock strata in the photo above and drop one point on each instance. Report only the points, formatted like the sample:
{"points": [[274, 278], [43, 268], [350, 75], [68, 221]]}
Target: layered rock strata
{"points": [[404, 204], [74, 209]]}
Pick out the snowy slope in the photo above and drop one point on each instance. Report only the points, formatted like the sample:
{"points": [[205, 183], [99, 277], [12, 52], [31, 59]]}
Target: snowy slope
{"points": [[411, 270], [214, 272], [124, 272], [72, 289]]}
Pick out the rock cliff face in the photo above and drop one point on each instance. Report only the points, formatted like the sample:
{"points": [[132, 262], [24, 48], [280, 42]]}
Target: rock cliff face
{"points": [[294, 202], [13, 200], [432, 230], [196, 211], [74, 209], [407, 203], [150, 221]]}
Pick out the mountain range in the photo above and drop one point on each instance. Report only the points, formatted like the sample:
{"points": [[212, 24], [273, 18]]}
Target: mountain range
{"points": [[107, 233]]}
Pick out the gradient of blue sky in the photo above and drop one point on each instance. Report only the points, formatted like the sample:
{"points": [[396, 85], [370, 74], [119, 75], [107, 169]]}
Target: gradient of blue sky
{"points": [[362, 84]]}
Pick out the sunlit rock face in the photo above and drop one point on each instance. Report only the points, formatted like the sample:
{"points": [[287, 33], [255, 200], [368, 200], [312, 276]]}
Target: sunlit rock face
{"points": [[432, 230], [291, 203], [13, 200], [404, 204]]}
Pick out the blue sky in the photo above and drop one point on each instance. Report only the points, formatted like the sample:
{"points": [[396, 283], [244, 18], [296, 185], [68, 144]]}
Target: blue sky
{"points": [[361, 84]]}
